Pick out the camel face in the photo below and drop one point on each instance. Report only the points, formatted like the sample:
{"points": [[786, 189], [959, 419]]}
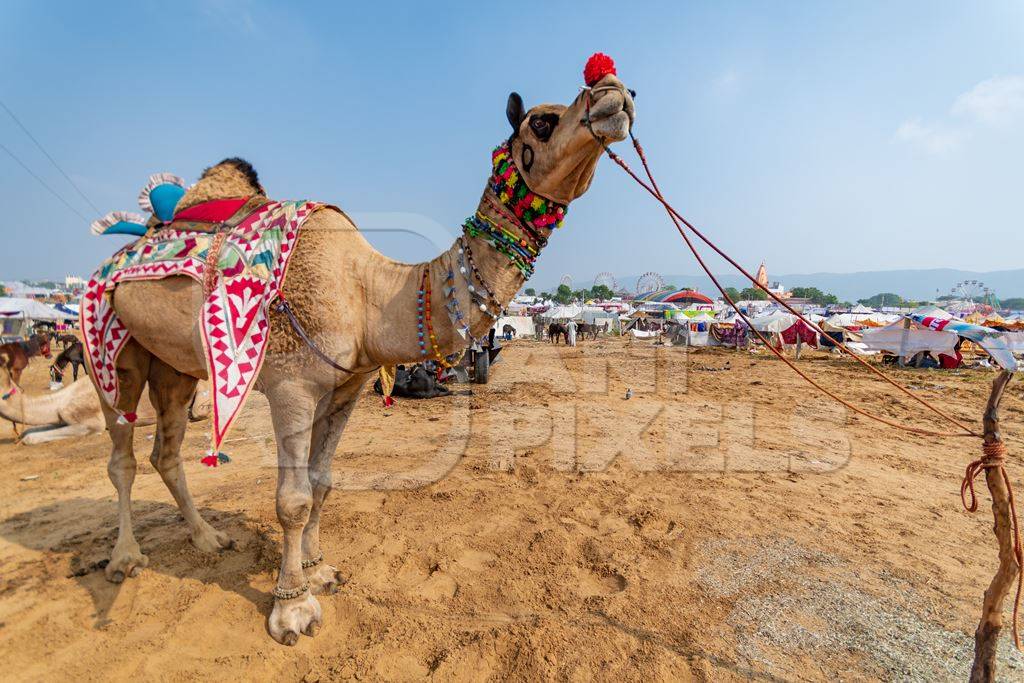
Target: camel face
{"points": [[552, 145]]}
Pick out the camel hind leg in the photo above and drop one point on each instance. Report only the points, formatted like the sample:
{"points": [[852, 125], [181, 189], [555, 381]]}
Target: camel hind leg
{"points": [[132, 369], [171, 392]]}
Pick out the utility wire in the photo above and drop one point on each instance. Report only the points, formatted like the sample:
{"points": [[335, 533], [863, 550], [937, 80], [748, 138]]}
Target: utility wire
{"points": [[47, 155], [43, 183]]}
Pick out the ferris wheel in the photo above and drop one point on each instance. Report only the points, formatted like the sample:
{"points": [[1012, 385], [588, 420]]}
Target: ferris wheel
{"points": [[649, 282], [969, 291], [607, 279], [566, 280]]}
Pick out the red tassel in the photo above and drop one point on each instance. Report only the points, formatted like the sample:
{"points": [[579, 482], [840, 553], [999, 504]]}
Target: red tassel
{"points": [[388, 401], [210, 460], [598, 66]]}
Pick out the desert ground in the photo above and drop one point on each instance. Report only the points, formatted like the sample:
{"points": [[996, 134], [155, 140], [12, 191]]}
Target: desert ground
{"points": [[723, 523]]}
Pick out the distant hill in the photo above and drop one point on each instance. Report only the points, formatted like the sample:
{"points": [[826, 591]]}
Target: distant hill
{"points": [[911, 284]]}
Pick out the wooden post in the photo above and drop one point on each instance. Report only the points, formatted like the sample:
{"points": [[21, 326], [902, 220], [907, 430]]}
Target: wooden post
{"points": [[986, 638], [903, 341]]}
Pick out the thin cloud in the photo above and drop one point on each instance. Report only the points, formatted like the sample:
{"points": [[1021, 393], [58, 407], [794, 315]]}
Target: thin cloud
{"points": [[996, 101], [934, 139]]}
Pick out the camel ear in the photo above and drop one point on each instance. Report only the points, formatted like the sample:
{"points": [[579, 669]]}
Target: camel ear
{"points": [[515, 111]]}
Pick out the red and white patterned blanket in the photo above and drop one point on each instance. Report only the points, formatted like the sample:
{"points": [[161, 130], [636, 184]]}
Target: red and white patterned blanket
{"points": [[251, 263]]}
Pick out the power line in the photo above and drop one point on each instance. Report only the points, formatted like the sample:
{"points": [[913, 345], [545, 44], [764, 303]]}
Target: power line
{"points": [[47, 155], [43, 183]]}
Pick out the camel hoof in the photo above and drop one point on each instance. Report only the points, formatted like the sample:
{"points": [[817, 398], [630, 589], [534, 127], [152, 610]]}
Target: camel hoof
{"points": [[126, 563], [324, 579], [291, 617], [210, 541]]}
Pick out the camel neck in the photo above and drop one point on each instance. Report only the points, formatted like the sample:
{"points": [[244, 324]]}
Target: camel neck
{"points": [[440, 307], [29, 410]]}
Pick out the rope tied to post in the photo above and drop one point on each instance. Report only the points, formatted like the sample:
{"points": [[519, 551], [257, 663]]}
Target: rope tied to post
{"points": [[994, 455]]}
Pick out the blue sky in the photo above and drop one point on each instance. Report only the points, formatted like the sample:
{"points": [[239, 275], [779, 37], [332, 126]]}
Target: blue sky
{"points": [[814, 136]]}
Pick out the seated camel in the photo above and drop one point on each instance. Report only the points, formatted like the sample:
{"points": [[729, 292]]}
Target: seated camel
{"points": [[74, 410], [415, 382]]}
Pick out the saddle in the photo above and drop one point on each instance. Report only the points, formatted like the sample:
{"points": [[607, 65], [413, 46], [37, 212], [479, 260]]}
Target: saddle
{"points": [[238, 249]]}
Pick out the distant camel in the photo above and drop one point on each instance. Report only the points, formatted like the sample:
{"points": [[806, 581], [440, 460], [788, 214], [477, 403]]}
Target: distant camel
{"points": [[72, 354], [66, 340], [555, 329], [590, 328], [74, 410], [508, 331], [14, 356]]}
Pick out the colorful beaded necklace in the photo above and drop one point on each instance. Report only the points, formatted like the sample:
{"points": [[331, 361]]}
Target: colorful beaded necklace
{"points": [[454, 310], [531, 209], [424, 321], [480, 291]]}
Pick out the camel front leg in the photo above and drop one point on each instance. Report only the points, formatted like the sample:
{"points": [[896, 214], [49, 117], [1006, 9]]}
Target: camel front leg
{"points": [[327, 430], [296, 611]]}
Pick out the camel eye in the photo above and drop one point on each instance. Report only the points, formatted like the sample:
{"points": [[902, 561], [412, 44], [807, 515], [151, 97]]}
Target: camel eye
{"points": [[543, 126]]}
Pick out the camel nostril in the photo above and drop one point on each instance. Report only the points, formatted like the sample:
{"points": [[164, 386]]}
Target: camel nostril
{"points": [[632, 93]]}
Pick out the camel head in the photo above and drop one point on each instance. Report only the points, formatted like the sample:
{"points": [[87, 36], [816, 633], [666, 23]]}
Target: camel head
{"points": [[552, 145]]}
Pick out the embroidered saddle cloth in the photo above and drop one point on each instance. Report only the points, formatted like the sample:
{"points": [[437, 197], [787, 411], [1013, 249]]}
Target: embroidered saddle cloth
{"points": [[242, 269]]}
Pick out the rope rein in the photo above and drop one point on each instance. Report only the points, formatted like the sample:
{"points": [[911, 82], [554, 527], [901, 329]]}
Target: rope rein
{"points": [[994, 453]]}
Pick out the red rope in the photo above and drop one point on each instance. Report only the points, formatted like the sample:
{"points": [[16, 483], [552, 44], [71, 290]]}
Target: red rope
{"points": [[995, 458], [677, 218]]}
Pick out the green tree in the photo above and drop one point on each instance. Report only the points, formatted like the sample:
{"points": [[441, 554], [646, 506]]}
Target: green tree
{"points": [[530, 291], [733, 293], [753, 294], [884, 299], [563, 294], [601, 292], [1014, 303], [815, 295]]}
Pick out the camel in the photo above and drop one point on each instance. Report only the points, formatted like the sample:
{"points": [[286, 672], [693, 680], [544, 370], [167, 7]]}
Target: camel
{"points": [[360, 308], [73, 354], [72, 411], [14, 356], [556, 330]]}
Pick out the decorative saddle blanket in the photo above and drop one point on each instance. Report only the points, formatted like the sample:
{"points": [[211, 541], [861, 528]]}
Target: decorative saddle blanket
{"points": [[242, 270]]}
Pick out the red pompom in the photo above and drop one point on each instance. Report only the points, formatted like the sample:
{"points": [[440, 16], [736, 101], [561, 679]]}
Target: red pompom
{"points": [[598, 66]]}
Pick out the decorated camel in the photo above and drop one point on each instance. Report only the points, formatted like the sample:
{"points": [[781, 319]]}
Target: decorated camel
{"points": [[314, 311], [72, 411]]}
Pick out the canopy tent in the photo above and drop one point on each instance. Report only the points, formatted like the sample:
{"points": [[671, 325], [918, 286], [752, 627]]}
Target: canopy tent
{"points": [[907, 341], [773, 322], [861, 309], [564, 312], [18, 316], [997, 344]]}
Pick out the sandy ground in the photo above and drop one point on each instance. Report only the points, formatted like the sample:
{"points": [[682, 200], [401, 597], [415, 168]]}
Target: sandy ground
{"points": [[723, 523]]}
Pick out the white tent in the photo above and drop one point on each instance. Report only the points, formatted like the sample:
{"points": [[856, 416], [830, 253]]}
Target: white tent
{"points": [[17, 316], [30, 309], [523, 325], [860, 309], [906, 341], [564, 312], [773, 322]]}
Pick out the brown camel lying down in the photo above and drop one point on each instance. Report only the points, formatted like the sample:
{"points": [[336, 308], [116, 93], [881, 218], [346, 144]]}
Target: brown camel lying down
{"points": [[74, 410]]}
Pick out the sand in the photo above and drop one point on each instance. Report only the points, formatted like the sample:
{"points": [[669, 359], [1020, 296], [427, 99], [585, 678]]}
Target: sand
{"points": [[724, 523]]}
